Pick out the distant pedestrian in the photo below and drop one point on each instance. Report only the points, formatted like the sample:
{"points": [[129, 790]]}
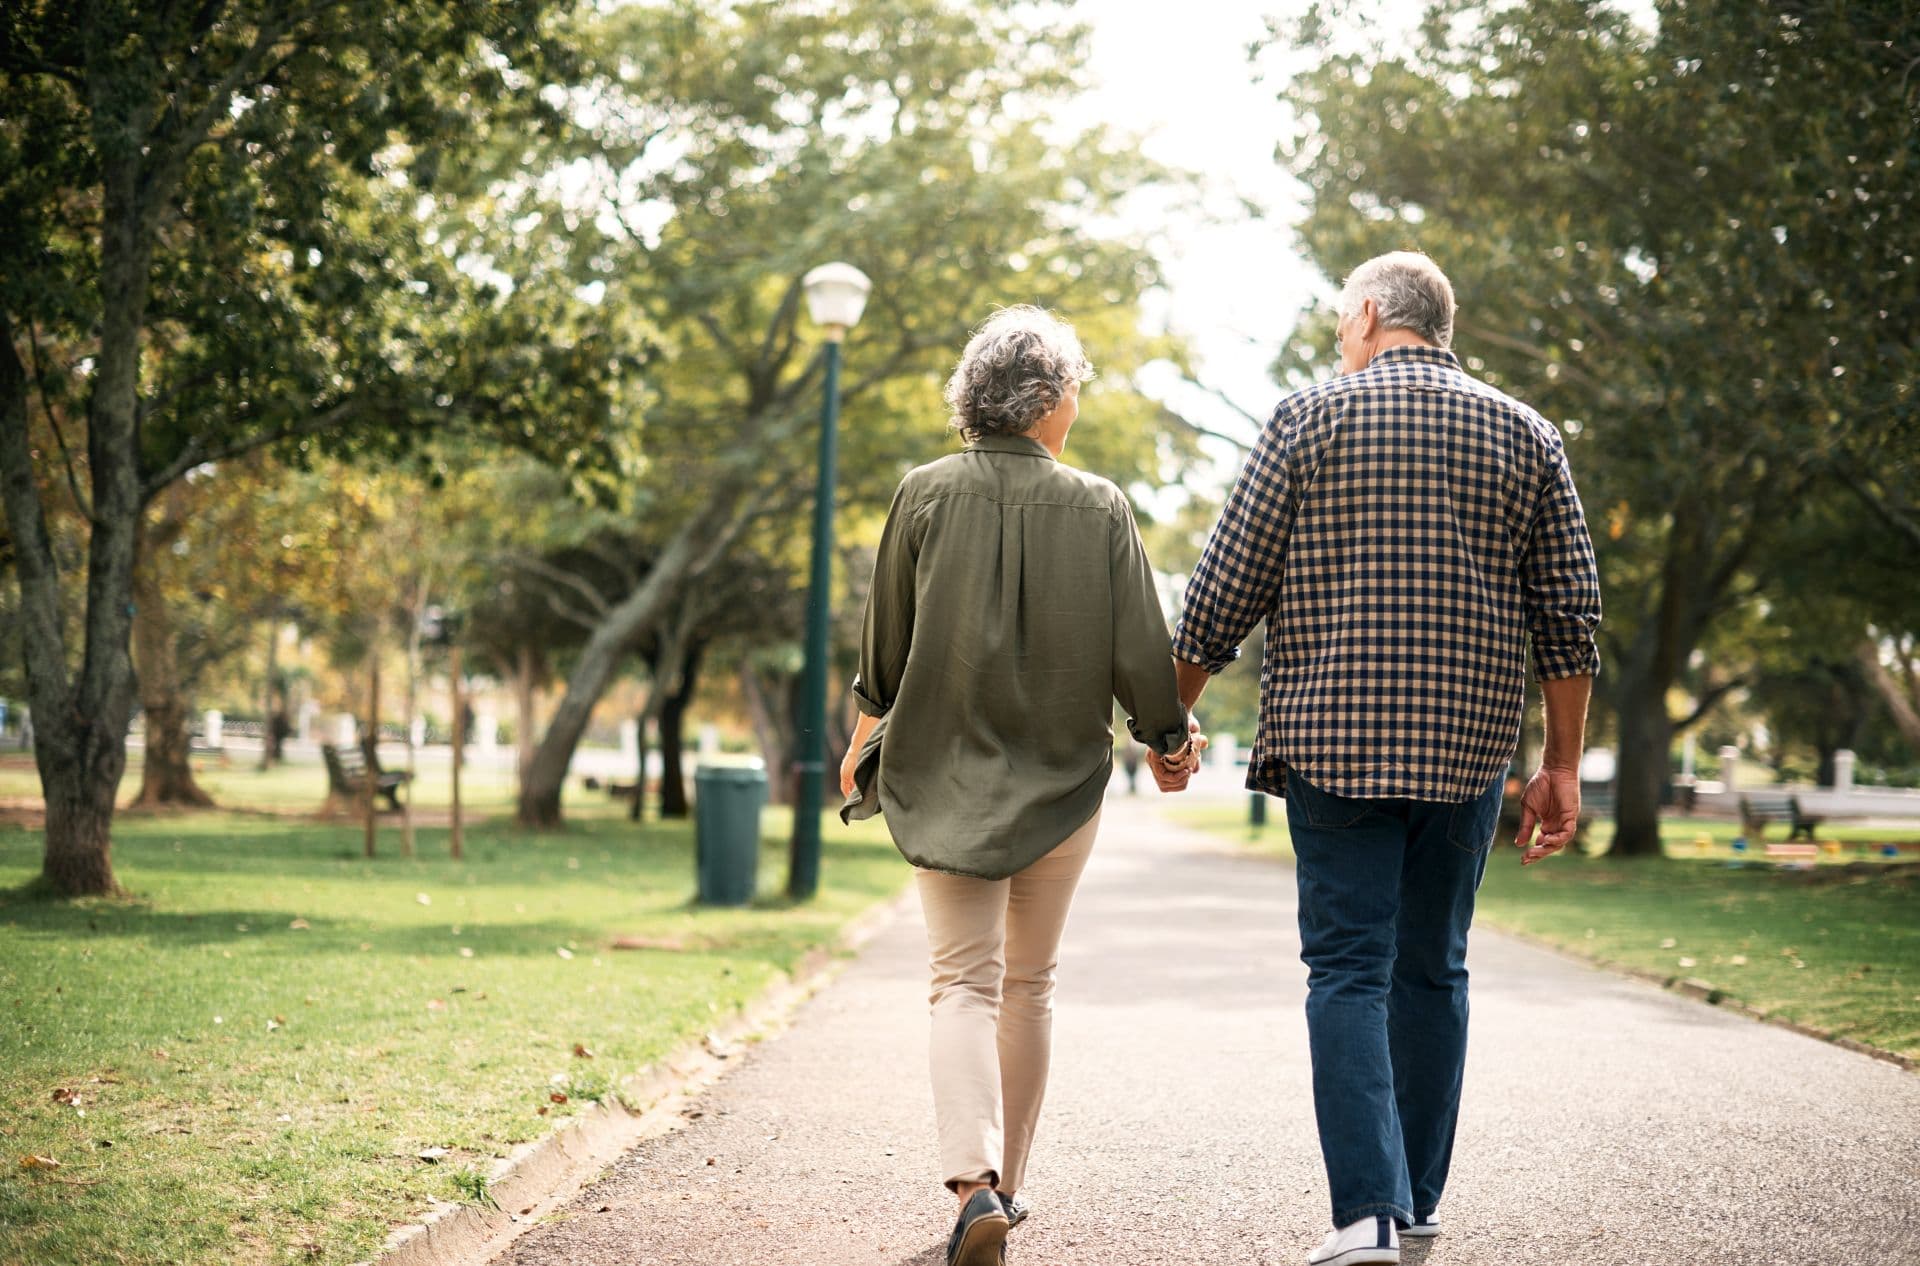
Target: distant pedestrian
{"points": [[1406, 532], [1011, 605]]}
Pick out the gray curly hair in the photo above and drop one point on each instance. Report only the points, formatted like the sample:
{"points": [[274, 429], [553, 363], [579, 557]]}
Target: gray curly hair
{"points": [[1016, 370]]}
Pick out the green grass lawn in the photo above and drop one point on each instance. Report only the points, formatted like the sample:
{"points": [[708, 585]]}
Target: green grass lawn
{"points": [[238, 782], [1835, 947], [264, 1037]]}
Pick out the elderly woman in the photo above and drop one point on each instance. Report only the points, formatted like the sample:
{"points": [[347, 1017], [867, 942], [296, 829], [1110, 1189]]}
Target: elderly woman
{"points": [[1011, 605]]}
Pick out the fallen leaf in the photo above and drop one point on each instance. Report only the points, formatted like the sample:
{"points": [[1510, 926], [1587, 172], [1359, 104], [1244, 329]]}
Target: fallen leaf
{"points": [[283, 1117], [581, 1052], [423, 898], [564, 952], [63, 1095], [157, 1054], [436, 1004], [434, 1155], [466, 951], [274, 1023], [543, 1109], [1669, 943], [648, 943], [557, 1096], [1738, 960], [39, 1162], [1686, 962], [298, 925]]}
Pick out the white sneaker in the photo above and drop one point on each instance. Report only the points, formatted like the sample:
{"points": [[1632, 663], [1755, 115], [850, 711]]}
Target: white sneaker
{"points": [[1368, 1240], [1424, 1228]]}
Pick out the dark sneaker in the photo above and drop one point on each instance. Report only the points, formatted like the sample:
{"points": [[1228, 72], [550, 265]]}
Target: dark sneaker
{"points": [[1017, 1209], [980, 1234]]}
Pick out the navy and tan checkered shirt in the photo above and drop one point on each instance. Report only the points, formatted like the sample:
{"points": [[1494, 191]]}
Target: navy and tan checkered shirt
{"points": [[1405, 532]]}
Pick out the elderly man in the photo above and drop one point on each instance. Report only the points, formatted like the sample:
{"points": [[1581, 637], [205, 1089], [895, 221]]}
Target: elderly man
{"points": [[1406, 531]]}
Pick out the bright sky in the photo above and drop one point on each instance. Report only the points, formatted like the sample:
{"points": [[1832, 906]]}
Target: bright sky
{"points": [[1235, 284]]}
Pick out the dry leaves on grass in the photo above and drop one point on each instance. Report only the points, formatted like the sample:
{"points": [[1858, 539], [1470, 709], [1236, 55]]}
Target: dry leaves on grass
{"points": [[580, 1051], [39, 1162], [649, 943]]}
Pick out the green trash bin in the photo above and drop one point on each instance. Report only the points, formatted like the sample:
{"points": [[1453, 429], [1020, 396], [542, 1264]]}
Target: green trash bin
{"points": [[726, 812]]}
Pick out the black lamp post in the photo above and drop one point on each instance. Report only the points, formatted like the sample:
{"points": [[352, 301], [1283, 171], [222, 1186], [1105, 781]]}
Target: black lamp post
{"points": [[441, 627], [836, 295]]}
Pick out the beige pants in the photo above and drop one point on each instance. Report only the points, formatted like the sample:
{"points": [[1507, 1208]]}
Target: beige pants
{"points": [[994, 944]]}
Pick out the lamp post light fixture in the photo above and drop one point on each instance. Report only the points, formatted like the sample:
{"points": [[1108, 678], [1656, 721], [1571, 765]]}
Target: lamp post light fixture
{"points": [[836, 296]]}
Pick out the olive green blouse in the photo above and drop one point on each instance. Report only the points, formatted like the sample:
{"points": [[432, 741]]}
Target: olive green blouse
{"points": [[1012, 603]]}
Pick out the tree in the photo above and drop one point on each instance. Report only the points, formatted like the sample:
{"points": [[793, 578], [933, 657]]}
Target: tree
{"points": [[876, 132], [1658, 237], [208, 203]]}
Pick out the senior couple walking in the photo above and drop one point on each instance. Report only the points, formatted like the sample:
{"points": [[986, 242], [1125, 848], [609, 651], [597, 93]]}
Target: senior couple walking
{"points": [[1411, 537]]}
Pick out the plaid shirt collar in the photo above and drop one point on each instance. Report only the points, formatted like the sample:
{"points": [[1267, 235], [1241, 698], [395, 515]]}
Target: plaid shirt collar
{"points": [[1416, 353]]}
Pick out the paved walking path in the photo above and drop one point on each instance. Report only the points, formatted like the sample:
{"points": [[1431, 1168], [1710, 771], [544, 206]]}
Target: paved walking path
{"points": [[1605, 1122]]}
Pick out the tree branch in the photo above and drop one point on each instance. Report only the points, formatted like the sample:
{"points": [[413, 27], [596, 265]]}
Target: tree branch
{"points": [[197, 452], [1890, 514], [560, 576], [1706, 701], [66, 454], [1607, 394]]}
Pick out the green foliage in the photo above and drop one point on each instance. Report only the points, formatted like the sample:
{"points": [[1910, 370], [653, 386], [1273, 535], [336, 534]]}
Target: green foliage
{"points": [[1689, 244]]}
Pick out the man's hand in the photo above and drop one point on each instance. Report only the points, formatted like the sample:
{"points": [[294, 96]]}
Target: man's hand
{"points": [[847, 766], [1551, 802], [1173, 774]]}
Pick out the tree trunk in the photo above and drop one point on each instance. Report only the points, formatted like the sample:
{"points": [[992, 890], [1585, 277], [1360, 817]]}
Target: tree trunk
{"points": [[1902, 704], [1646, 734], [81, 722], [80, 795], [274, 726], [525, 676], [771, 729], [166, 773], [611, 642], [673, 712]]}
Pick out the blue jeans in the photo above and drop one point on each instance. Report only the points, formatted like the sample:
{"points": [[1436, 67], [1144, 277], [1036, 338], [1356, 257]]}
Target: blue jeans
{"points": [[1386, 896]]}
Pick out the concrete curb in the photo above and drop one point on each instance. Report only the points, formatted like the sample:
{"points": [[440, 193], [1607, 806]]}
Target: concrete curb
{"points": [[1688, 987], [541, 1175], [1701, 991]]}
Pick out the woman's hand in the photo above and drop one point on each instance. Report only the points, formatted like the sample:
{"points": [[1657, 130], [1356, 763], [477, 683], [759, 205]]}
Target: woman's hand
{"points": [[862, 731], [847, 765]]}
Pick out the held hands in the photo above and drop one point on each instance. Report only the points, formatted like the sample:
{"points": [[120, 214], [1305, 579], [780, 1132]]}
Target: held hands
{"points": [[1551, 802], [1171, 772]]}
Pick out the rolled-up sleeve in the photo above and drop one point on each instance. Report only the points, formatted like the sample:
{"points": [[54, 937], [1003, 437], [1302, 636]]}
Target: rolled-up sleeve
{"points": [[1560, 582], [888, 631], [1143, 679], [1233, 587]]}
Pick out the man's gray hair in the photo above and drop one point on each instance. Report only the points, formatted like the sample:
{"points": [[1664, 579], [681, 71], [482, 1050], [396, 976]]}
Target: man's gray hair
{"points": [[1016, 370], [1409, 292]]}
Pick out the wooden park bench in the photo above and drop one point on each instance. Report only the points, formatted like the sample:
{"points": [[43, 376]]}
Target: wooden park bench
{"points": [[347, 774], [1757, 811]]}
